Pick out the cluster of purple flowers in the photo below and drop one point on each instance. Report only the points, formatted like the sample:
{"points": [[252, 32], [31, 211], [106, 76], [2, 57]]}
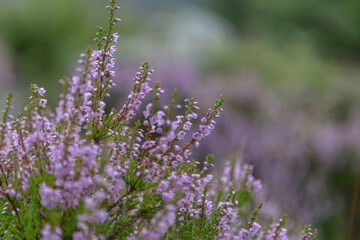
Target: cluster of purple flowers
{"points": [[81, 173]]}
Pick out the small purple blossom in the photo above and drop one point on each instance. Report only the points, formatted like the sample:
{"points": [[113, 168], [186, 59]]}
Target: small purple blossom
{"points": [[49, 197], [49, 234], [115, 37], [41, 91]]}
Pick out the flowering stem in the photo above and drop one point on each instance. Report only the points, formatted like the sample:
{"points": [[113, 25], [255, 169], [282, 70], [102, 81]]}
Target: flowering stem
{"points": [[12, 205], [3, 173]]}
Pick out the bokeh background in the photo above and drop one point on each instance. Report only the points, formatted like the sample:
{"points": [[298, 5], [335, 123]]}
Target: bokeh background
{"points": [[289, 71]]}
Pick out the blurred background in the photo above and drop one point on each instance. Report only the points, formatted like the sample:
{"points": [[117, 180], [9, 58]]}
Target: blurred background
{"points": [[289, 71]]}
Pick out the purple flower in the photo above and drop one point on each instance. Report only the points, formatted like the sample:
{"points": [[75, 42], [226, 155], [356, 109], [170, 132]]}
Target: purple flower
{"points": [[49, 197], [191, 116], [41, 91], [147, 111], [187, 125], [49, 234], [115, 37], [42, 103]]}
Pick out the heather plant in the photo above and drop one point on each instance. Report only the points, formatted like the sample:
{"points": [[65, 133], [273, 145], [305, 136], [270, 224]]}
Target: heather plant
{"points": [[84, 173]]}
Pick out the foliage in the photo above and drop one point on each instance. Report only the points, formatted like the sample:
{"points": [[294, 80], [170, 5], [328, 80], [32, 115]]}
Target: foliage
{"points": [[332, 25]]}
